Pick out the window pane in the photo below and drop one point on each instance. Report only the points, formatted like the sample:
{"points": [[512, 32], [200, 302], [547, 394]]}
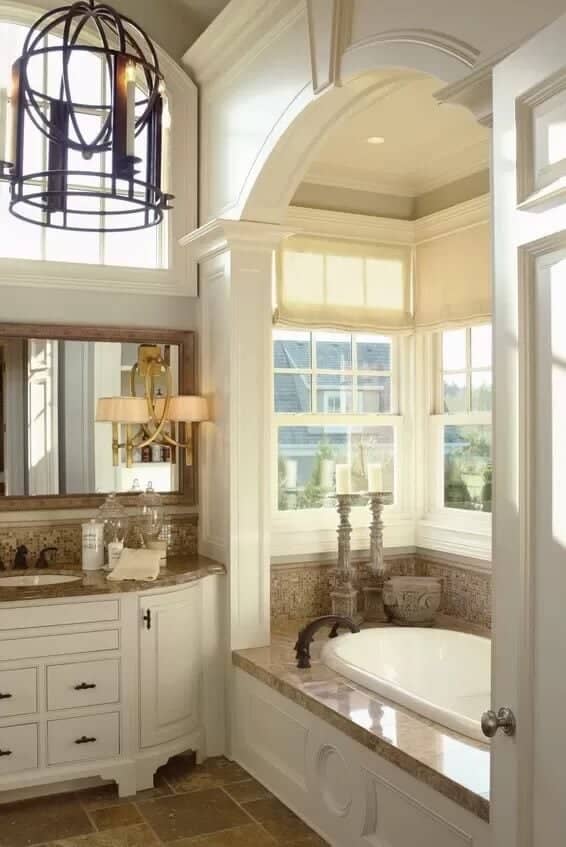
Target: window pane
{"points": [[481, 391], [454, 350], [334, 393], [373, 352], [137, 249], [481, 346], [17, 239], [467, 467], [333, 351], [374, 394], [454, 393], [291, 349], [292, 393], [308, 457]]}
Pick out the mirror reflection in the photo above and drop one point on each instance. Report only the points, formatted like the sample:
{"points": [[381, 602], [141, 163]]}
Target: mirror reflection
{"points": [[52, 444]]}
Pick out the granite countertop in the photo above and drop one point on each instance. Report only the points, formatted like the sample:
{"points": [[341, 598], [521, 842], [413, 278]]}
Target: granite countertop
{"points": [[454, 765], [179, 570]]}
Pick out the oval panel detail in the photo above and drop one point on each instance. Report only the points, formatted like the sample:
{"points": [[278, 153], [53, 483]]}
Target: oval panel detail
{"points": [[333, 781]]}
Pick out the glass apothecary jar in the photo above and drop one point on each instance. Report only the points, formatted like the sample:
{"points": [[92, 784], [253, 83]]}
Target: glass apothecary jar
{"points": [[151, 514], [115, 519]]}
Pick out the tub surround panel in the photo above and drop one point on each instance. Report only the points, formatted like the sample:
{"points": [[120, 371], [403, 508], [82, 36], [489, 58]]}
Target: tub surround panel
{"points": [[180, 532], [302, 590], [456, 767]]}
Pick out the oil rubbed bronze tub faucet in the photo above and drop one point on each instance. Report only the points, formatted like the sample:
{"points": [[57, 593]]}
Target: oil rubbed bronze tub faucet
{"points": [[306, 635]]}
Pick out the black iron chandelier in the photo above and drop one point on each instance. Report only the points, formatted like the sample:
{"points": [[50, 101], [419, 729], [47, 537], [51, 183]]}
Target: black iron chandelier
{"points": [[102, 170]]}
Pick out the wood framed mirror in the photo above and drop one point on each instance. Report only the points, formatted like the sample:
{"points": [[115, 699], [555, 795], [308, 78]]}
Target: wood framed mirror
{"points": [[54, 455]]}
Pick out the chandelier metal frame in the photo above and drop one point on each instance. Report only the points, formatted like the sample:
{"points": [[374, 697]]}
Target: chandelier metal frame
{"points": [[117, 196]]}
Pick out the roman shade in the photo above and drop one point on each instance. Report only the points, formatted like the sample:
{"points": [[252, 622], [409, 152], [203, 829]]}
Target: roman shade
{"points": [[453, 279], [345, 285]]}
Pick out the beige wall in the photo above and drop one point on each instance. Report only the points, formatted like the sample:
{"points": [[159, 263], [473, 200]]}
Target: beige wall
{"points": [[331, 198], [335, 199], [475, 185], [168, 22]]}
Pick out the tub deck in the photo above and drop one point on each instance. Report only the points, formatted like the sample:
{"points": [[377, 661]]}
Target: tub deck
{"points": [[452, 764]]}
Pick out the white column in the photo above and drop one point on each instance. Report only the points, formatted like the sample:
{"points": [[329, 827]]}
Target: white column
{"points": [[236, 261]]}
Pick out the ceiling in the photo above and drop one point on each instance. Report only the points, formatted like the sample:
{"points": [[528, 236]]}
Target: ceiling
{"points": [[426, 144], [204, 11]]}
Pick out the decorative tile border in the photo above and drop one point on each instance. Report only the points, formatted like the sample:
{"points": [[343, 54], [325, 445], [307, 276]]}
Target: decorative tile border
{"points": [[303, 590], [180, 532], [466, 593]]}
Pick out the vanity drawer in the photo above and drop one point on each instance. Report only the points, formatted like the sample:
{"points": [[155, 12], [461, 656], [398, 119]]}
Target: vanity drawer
{"points": [[77, 739], [83, 684], [60, 614], [18, 692], [18, 748], [59, 645]]}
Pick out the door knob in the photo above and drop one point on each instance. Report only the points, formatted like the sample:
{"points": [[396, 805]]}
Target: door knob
{"points": [[504, 719]]}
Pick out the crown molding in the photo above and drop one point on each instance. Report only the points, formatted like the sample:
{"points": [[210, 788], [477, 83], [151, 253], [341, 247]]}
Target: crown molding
{"points": [[475, 90], [327, 224], [242, 30], [221, 234], [463, 216], [456, 166]]}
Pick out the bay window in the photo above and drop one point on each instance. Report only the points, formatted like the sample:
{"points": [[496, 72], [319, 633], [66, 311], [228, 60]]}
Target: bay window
{"points": [[336, 401], [461, 436]]}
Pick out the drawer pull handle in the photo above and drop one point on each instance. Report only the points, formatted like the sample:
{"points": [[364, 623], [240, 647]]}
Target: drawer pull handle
{"points": [[5, 752], [84, 686], [85, 740], [5, 696]]}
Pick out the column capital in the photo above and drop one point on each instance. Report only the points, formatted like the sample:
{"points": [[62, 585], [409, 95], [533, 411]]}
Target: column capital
{"points": [[222, 234]]}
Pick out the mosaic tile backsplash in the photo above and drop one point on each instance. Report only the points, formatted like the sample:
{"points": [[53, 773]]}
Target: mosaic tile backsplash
{"points": [[303, 590], [180, 532]]}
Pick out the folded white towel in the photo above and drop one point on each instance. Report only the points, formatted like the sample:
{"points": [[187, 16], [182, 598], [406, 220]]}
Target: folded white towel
{"points": [[137, 564]]}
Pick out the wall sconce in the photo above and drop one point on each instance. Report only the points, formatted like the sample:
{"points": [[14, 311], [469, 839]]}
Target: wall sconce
{"points": [[153, 418]]}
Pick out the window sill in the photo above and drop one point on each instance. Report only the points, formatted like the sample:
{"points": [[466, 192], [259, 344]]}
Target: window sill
{"points": [[305, 538], [459, 535]]}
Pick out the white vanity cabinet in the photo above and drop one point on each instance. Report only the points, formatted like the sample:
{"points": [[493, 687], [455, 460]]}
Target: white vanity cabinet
{"points": [[170, 666], [108, 687]]}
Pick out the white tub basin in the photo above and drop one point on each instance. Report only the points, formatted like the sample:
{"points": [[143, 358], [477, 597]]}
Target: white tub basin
{"points": [[444, 676], [35, 580]]}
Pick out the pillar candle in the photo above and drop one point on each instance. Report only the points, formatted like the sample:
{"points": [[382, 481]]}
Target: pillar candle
{"points": [[375, 478], [343, 479]]}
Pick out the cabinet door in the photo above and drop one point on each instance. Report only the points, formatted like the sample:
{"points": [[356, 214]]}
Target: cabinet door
{"points": [[170, 665]]}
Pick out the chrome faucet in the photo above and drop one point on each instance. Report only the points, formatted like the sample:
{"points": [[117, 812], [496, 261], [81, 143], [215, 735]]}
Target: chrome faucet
{"points": [[306, 635]]}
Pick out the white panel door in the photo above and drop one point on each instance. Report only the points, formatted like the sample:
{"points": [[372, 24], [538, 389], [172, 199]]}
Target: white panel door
{"points": [[170, 665], [529, 182]]}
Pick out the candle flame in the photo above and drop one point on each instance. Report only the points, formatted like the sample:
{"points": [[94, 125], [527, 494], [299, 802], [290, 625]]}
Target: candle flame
{"points": [[131, 71]]}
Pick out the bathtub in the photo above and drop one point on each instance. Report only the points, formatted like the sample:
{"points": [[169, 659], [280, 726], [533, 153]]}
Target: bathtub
{"points": [[442, 675]]}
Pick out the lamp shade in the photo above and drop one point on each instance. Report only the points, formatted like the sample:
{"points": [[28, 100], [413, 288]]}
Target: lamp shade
{"points": [[127, 410], [183, 407]]}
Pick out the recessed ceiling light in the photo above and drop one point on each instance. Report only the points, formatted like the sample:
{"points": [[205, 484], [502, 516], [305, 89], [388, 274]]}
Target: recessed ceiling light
{"points": [[375, 139]]}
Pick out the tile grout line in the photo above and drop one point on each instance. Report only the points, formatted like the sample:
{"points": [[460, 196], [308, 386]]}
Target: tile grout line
{"points": [[254, 820], [147, 823]]}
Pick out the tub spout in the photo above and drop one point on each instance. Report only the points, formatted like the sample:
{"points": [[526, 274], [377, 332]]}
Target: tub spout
{"points": [[306, 635]]}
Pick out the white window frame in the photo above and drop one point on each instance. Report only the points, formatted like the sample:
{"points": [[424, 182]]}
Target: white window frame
{"points": [[313, 531], [459, 531], [180, 277]]}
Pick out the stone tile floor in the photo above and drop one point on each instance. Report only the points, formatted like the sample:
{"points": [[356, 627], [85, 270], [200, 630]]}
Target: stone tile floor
{"points": [[216, 804]]}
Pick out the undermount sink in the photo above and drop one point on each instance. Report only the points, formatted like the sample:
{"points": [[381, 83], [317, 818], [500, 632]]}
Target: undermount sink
{"points": [[35, 580]]}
